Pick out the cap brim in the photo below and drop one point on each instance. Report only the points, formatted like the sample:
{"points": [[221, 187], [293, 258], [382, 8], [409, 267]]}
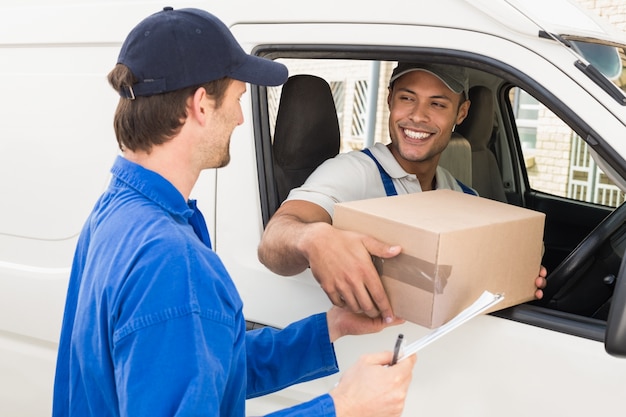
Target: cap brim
{"points": [[261, 71], [448, 83]]}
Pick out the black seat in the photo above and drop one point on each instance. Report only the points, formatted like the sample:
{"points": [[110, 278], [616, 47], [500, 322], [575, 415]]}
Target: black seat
{"points": [[477, 128], [306, 133]]}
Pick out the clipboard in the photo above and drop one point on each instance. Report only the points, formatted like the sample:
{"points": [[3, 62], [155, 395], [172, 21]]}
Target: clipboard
{"points": [[483, 303]]}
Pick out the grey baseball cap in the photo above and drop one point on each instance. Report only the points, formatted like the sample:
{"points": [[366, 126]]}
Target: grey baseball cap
{"points": [[454, 77]]}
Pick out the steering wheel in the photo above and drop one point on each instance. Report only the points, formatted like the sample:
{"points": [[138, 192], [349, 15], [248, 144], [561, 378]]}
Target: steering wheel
{"points": [[585, 249]]}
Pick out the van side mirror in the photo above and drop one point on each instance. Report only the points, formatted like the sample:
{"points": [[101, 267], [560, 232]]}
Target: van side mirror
{"points": [[615, 338]]}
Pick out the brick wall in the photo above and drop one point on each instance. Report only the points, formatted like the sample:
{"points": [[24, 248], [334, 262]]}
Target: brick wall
{"points": [[612, 10]]}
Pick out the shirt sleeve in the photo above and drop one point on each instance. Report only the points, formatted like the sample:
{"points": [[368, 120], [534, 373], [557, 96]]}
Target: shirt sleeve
{"points": [[322, 406], [346, 177], [179, 363], [298, 353]]}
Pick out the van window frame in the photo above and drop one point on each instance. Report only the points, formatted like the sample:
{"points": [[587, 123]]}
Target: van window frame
{"points": [[534, 315]]}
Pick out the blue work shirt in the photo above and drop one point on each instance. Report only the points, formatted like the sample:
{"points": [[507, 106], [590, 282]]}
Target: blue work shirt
{"points": [[153, 323]]}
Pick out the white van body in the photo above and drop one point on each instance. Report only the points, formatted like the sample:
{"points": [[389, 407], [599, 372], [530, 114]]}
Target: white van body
{"points": [[57, 145]]}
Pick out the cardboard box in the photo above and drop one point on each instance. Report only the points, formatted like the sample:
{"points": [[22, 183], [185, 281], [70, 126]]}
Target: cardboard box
{"points": [[454, 247]]}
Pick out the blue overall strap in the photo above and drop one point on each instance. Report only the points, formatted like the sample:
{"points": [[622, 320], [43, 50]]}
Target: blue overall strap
{"points": [[390, 189], [466, 189]]}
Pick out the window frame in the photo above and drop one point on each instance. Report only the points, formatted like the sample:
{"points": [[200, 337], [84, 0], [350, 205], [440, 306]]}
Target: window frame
{"points": [[527, 313]]}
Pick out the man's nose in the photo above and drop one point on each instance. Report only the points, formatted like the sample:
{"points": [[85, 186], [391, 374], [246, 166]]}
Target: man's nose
{"points": [[419, 113]]}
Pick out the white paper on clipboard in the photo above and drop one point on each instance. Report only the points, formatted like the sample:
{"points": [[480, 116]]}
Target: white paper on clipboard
{"points": [[483, 303]]}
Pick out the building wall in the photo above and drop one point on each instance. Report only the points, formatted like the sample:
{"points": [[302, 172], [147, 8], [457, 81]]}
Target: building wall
{"points": [[612, 10]]}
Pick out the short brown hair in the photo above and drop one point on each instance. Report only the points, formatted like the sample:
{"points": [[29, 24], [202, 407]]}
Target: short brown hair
{"points": [[144, 122]]}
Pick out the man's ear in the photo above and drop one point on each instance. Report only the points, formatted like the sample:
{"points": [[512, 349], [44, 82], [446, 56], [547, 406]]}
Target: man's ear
{"points": [[199, 105], [462, 113]]}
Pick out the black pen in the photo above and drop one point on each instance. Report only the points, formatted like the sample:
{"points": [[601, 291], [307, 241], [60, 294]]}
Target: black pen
{"points": [[396, 349]]}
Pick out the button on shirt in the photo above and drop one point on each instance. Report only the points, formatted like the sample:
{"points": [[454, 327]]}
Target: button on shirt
{"points": [[153, 323]]}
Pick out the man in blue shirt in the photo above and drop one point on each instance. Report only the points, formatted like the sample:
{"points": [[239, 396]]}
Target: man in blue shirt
{"points": [[153, 323]]}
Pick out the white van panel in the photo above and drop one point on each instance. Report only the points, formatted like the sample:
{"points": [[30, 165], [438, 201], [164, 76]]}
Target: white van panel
{"points": [[57, 145], [510, 365], [489, 377], [58, 138]]}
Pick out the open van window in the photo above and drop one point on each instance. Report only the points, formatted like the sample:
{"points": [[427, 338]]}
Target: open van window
{"points": [[543, 163]]}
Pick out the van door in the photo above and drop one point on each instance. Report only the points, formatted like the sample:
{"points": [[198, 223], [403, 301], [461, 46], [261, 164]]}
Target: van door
{"points": [[491, 362]]}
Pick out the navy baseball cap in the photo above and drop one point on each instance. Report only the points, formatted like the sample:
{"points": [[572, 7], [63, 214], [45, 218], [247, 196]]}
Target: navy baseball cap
{"points": [[174, 49]]}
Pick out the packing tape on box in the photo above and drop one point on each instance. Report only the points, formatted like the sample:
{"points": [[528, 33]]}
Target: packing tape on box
{"points": [[414, 271]]}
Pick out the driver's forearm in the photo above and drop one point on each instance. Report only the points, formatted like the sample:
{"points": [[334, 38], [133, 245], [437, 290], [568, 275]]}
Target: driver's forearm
{"points": [[279, 250]]}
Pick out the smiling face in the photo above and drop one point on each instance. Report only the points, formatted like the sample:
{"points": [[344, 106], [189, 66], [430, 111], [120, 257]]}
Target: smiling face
{"points": [[423, 113]]}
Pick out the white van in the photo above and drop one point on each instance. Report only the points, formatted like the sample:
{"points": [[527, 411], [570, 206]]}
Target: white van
{"points": [[548, 114]]}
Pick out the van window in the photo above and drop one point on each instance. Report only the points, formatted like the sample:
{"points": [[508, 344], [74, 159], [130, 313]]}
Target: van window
{"points": [[608, 58], [354, 83], [544, 165], [557, 160]]}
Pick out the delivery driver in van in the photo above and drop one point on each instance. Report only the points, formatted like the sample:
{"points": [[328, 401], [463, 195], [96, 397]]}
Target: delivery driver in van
{"points": [[153, 323], [426, 102]]}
